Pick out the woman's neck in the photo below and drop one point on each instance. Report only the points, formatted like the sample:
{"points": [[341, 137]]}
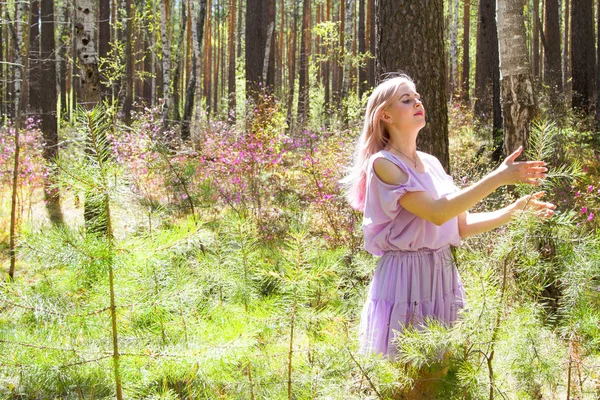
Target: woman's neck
{"points": [[403, 144]]}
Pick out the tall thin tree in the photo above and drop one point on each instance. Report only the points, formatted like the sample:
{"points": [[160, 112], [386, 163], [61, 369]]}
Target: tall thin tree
{"points": [[583, 62], [129, 54], [18, 73], [197, 34], [552, 62], [231, 93], [305, 49], [104, 42], [399, 49], [49, 99], [466, 61], [518, 99]]}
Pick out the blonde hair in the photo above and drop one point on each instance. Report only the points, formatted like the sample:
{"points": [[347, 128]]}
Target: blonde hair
{"points": [[372, 139]]}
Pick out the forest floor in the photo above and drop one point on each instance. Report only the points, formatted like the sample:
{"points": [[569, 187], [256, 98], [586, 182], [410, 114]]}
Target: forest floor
{"points": [[225, 304]]}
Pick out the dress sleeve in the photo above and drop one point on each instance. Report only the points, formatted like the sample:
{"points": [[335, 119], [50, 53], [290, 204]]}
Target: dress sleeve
{"points": [[386, 197]]}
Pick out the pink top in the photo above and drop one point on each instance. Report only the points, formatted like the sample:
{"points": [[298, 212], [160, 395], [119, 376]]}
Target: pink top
{"points": [[387, 226]]}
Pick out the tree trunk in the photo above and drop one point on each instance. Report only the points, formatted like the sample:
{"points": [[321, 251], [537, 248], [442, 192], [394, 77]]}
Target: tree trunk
{"points": [[535, 45], [292, 64], [362, 49], [552, 66], [217, 63], [166, 64], [583, 62], [327, 65], [347, 72], [231, 62], [34, 77], [371, 30], [598, 72], [104, 40], [2, 70], [260, 60], [208, 58], [421, 57], [566, 52], [128, 103], [466, 64], [518, 100], [453, 48], [305, 48], [48, 103], [18, 73], [197, 33], [487, 71]]}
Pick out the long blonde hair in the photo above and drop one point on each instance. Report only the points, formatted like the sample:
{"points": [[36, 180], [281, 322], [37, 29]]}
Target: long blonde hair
{"points": [[372, 139]]}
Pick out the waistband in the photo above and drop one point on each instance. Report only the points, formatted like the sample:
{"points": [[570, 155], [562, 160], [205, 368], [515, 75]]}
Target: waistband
{"points": [[417, 252]]}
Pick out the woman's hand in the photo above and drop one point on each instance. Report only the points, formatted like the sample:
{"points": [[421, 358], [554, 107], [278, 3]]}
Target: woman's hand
{"points": [[511, 172], [532, 203]]}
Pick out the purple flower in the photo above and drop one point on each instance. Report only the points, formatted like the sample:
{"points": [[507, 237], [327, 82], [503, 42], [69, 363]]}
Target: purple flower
{"points": [[591, 216], [590, 188], [584, 209]]}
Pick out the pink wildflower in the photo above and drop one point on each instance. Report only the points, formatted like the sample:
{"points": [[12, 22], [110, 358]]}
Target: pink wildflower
{"points": [[591, 216]]}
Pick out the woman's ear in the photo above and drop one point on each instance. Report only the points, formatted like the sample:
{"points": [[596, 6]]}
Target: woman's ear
{"points": [[385, 117]]}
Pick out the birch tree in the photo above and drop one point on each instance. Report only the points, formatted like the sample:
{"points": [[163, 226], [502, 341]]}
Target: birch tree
{"points": [[166, 63], [518, 99], [18, 73], [348, 40]]}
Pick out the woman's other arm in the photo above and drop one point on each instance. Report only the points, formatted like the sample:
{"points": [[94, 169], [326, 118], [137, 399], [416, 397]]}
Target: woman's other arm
{"points": [[476, 223], [439, 211]]}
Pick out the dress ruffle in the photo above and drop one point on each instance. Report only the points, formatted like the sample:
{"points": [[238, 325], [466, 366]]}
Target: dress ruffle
{"points": [[407, 288]]}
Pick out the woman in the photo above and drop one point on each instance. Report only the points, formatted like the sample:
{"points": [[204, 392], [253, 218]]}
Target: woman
{"points": [[413, 213]]}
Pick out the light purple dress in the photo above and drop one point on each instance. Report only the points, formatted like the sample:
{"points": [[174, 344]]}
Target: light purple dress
{"points": [[416, 277]]}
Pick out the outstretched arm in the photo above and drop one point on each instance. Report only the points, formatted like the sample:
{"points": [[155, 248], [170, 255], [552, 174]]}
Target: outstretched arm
{"points": [[474, 224], [438, 211]]}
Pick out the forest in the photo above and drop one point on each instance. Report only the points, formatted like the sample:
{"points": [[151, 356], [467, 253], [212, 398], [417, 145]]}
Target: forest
{"points": [[172, 223]]}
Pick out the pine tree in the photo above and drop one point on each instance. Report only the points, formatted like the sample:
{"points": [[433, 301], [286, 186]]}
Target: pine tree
{"points": [[399, 49]]}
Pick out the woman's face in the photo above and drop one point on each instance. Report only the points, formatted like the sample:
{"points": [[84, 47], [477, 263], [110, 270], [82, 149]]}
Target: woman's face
{"points": [[405, 111]]}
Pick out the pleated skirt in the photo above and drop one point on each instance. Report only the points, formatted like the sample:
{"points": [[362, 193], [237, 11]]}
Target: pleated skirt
{"points": [[407, 288]]}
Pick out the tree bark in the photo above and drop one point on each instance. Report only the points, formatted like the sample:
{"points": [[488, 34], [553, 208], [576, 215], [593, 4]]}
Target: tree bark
{"points": [[371, 29], [166, 64], [552, 62], [260, 24], [518, 99], [208, 58], [2, 70], [305, 49], [583, 62], [566, 70], [292, 63], [535, 45], [598, 72], [421, 57], [347, 72], [231, 62], [453, 49], [362, 49], [18, 73], [487, 74], [48, 102], [128, 102], [197, 33], [104, 41], [466, 64], [34, 77]]}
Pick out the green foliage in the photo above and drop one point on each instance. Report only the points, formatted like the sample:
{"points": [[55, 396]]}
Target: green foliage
{"points": [[261, 297]]}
